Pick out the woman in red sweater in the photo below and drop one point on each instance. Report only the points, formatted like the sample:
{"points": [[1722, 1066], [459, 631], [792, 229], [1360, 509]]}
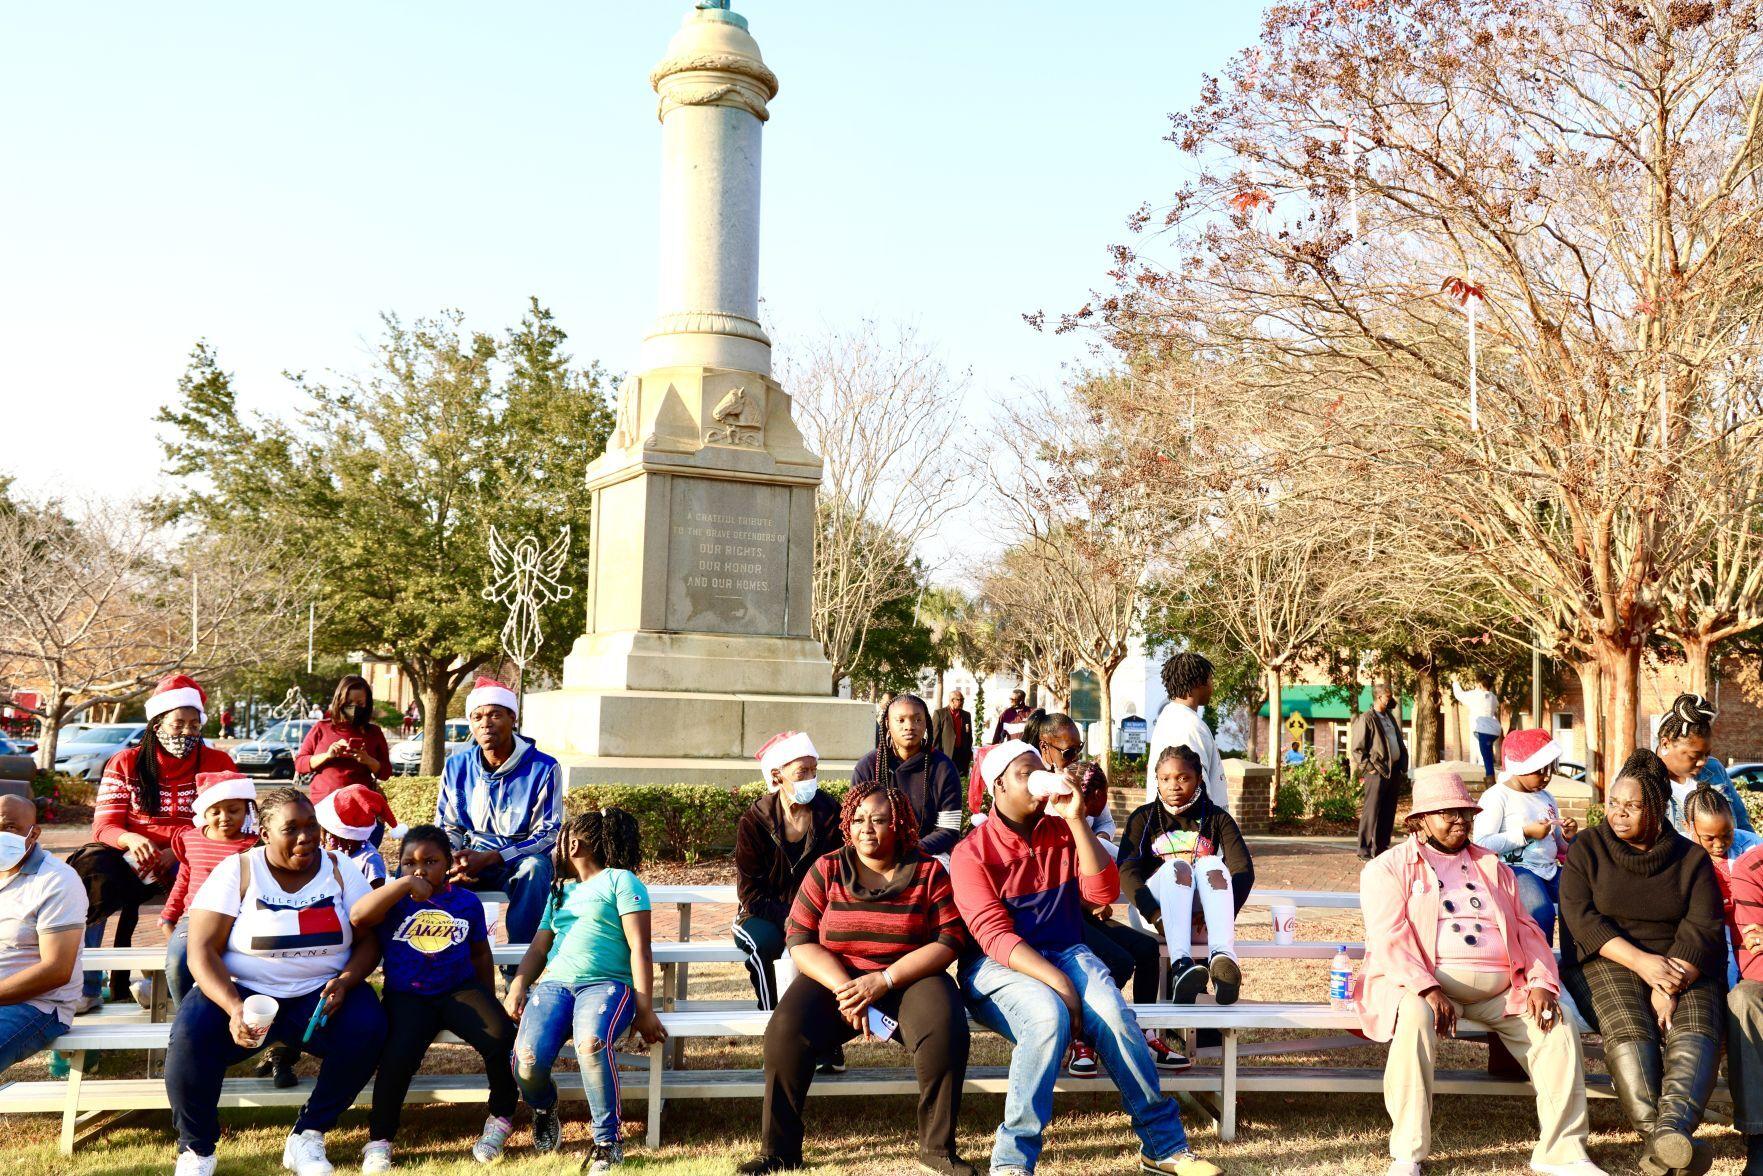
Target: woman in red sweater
{"points": [[346, 746], [873, 931], [146, 797]]}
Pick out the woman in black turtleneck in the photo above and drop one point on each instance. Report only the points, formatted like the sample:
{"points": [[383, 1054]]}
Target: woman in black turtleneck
{"points": [[1649, 953]]}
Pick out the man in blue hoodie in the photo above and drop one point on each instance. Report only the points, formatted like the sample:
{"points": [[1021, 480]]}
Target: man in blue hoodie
{"points": [[502, 805]]}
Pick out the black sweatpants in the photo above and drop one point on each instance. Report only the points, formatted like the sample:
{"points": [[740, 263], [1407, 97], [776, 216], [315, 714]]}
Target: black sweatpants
{"points": [[806, 1024], [1126, 952], [412, 1021]]}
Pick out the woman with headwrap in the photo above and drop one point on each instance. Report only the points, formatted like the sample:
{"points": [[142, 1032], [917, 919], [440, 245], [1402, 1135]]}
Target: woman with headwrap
{"points": [[1649, 958]]}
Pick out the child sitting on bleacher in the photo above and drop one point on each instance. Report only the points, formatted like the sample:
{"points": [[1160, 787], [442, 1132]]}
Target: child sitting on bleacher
{"points": [[1709, 816], [350, 818], [1520, 822], [225, 812], [589, 968], [439, 974]]}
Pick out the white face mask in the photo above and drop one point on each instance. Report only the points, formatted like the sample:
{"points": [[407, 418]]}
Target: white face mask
{"points": [[803, 791], [12, 850]]}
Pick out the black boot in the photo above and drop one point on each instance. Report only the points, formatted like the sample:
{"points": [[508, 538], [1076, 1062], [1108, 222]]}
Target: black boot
{"points": [[1635, 1070], [1753, 1156], [1691, 1064]]}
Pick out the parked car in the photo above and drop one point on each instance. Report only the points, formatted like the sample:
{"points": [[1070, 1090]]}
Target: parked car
{"points": [[271, 755], [17, 768], [407, 753], [1747, 776], [1568, 770], [84, 753]]}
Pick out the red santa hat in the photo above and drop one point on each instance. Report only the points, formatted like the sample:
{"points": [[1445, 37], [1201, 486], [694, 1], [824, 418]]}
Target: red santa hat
{"points": [[489, 692], [1526, 751], [784, 748], [350, 813], [176, 691], [214, 787]]}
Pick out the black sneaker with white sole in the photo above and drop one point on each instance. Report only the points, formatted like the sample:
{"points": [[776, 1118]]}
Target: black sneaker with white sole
{"points": [[833, 1062], [1190, 980], [547, 1130], [1227, 979]]}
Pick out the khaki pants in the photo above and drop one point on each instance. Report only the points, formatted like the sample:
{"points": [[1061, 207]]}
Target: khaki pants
{"points": [[1553, 1060]]}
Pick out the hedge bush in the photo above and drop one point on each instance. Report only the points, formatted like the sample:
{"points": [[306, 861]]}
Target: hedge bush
{"points": [[680, 822], [1325, 789]]}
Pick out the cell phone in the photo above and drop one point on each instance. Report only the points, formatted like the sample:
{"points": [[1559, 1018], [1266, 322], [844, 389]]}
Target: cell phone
{"points": [[881, 1026]]}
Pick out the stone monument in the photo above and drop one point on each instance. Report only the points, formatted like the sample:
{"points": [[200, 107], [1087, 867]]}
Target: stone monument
{"points": [[698, 645]]}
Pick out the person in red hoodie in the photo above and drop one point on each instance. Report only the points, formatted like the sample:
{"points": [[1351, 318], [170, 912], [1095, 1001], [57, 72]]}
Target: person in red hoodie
{"points": [[346, 746], [1022, 883], [148, 794]]}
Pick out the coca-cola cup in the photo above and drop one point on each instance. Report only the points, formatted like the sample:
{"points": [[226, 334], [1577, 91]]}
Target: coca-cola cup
{"points": [[259, 1014], [1285, 922]]}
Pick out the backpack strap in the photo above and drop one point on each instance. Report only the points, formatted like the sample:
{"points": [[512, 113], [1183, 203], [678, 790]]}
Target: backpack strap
{"points": [[245, 874], [336, 872]]}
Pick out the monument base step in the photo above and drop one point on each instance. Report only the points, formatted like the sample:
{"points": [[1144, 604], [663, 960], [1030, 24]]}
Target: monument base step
{"points": [[579, 771], [650, 726], [644, 660]]}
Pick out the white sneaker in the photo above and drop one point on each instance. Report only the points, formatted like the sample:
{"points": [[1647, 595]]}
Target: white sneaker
{"points": [[1576, 1168], [376, 1156], [191, 1164], [303, 1155], [1403, 1168], [142, 991]]}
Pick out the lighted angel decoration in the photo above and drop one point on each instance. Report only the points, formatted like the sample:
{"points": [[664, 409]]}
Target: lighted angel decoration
{"points": [[525, 579]]}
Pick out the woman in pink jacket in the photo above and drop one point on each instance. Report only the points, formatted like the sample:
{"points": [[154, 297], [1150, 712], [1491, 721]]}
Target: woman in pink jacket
{"points": [[1446, 938]]}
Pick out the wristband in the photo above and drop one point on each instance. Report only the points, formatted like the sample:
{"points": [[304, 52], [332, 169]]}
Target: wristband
{"points": [[888, 978]]}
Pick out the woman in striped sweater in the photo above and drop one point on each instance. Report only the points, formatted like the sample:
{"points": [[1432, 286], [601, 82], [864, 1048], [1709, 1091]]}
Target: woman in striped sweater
{"points": [[873, 931]]}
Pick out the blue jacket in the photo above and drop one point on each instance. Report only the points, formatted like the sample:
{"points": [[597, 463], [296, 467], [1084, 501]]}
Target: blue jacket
{"points": [[516, 810], [1714, 775]]}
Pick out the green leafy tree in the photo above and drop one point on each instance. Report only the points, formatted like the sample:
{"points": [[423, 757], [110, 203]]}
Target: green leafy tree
{"points": [[387, 483]]}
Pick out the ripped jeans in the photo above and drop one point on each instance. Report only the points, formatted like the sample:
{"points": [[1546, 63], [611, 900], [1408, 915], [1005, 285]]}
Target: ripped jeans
{"points": [[596, 1016]]}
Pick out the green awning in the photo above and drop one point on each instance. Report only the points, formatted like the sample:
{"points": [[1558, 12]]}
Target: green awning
{"points": [[1326, 702]]}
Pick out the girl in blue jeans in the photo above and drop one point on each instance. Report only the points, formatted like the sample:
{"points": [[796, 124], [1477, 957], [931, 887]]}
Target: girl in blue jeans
{"points": [[1520, 821], [588, 974]]}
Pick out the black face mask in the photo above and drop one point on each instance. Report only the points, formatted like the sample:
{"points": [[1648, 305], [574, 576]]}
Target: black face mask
{"points": [[355, 714], [1437, 848]]}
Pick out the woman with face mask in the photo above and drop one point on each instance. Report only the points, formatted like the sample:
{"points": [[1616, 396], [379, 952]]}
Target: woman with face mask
{"points": [[346, 746], [778, 838], [148, 794]]}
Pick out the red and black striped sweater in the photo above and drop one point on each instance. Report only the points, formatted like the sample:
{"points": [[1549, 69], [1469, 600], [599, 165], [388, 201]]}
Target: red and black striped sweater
{"points": [[870, 929]]}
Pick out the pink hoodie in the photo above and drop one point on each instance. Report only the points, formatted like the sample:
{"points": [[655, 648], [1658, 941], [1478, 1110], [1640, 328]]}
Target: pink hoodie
{"points": [[1399, 898]]}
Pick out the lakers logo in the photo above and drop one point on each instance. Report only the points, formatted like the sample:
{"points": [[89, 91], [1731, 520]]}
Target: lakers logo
{"points": [[432, 931]]}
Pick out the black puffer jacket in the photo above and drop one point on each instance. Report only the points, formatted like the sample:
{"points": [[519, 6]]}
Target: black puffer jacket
{"points": [[765, 880]]}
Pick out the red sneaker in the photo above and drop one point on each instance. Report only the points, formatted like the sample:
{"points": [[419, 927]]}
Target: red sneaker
{"points": [[1083, 1063], [1165, 1055]]}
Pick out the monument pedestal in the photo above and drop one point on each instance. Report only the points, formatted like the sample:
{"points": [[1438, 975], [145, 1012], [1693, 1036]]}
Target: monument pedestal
{"points": [[699, 645]]}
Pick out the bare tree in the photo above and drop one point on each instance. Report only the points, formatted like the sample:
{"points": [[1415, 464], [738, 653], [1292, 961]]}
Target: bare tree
{"points": [[882, 410], [98, 605], [1499, 257]]}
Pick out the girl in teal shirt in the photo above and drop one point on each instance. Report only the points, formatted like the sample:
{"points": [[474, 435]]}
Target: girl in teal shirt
{"points": [[587, 975]]}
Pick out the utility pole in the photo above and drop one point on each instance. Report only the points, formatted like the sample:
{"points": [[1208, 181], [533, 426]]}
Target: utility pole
{"points": [[311, 629], [195, 614], [1536, 686]]}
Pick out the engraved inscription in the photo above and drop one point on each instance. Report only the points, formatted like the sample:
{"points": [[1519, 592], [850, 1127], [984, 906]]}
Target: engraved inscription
{"points": [[728, 551]]}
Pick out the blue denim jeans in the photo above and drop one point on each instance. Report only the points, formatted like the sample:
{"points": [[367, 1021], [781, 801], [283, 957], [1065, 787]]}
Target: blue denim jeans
{"points": [[1539, 897], [178, 979], [202, 1047], [596, 1016], [1486, 743], [1032, 1016], [24, 1031], [527, 884]]}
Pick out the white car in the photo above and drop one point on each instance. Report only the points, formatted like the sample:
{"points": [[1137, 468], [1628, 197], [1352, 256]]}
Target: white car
{"points": [[407, 753]]}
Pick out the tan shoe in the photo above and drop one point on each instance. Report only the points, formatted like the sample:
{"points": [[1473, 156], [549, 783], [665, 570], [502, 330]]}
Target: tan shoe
{"points": [[1180, 1164]]}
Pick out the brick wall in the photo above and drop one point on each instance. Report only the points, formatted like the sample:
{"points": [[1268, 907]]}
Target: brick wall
{"points": [[1250, 787], [1738, 731]]}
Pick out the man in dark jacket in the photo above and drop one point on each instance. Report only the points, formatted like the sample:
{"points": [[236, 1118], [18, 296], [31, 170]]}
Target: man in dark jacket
{"points": [[779, 836], [923, 773], [1380, 759], [1015, 715], [952, 733]]}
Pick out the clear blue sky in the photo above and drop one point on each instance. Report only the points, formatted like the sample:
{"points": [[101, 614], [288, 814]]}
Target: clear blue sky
{"points": [[271, 177]]}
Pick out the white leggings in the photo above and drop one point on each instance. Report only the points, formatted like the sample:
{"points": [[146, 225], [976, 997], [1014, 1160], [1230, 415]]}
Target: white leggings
{"points": [[1173, 885]]}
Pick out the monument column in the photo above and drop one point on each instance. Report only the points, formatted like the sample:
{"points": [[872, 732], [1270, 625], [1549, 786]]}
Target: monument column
{"points": [[699, 640]]}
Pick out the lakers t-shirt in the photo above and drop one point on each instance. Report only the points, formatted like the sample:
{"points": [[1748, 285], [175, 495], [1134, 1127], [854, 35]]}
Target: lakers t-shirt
{"points": [[427, 945]]}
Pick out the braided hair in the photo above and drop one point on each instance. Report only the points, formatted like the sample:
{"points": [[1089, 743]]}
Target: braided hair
{"points": [[886, 762], [1043, 723], [900, 815], [610, 837], [1185, 673], [275, 801], [147, 765], [1181, 751], [1649, 771], [1691, 715], [1706, 801]]}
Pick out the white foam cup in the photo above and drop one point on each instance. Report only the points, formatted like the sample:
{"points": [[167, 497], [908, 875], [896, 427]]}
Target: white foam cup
{"points": [[1285, 922], [259, 1013]]}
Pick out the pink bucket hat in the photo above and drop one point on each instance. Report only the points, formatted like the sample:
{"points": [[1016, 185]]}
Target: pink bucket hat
{"points": [[1440, 791]]}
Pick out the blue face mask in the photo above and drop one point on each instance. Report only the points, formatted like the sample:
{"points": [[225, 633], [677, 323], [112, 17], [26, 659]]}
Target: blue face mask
{"points": [[803, 791]]}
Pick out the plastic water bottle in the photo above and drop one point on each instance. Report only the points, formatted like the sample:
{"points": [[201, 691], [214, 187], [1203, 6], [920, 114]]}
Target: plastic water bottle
{"points": [[1340, 980]]}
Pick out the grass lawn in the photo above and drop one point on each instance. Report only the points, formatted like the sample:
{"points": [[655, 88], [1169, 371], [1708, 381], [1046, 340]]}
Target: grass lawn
{"points": [[1299, 1134]]}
